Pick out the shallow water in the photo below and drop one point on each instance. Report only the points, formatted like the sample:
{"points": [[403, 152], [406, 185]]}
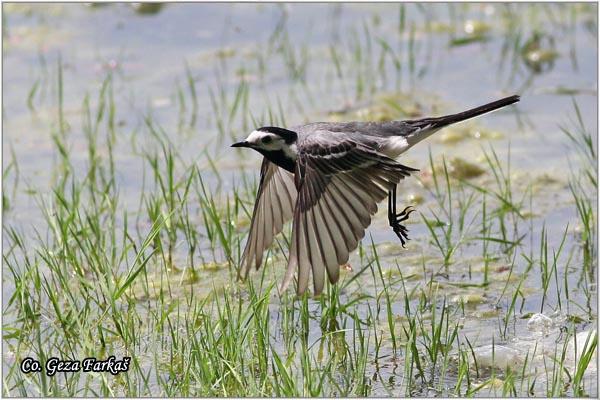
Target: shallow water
{"points": [[283, 54]]}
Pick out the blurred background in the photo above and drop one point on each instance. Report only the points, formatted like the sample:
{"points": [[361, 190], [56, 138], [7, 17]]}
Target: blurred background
{"points": [[131, 98], [210, 73]]}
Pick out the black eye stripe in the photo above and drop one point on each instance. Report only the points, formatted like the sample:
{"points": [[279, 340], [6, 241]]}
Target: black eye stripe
{"points": [[267, 139]]}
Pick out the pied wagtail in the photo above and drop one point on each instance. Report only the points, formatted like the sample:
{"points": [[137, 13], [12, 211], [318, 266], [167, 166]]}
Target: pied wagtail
{"points": [[329, 178]]}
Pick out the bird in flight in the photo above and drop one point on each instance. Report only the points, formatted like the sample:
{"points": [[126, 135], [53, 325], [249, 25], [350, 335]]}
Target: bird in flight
{"points": [[329, 178]]}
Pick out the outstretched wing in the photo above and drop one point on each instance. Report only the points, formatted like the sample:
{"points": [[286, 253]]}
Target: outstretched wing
{"points": [[339, 186], [274, 206]]}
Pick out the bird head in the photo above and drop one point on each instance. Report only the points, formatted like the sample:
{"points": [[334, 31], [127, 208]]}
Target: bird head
{"points": [[269, 139]]}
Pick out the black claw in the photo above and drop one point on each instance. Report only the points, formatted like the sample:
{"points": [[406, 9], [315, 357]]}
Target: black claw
{"points": [[395, 219], [403, 216], [402, 232]]}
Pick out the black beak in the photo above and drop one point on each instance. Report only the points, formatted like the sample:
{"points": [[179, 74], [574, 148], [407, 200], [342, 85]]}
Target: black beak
{"points": [[241, 144]]}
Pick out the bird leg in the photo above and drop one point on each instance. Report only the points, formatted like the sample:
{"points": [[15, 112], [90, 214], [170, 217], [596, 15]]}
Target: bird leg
{"points": [[395, 219]]}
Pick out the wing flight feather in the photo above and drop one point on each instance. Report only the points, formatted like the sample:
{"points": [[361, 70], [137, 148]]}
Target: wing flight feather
{"points": [[274, 206], [338, 192]]}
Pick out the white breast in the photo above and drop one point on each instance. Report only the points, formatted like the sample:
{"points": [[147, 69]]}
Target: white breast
{"points": [[394, 146]]}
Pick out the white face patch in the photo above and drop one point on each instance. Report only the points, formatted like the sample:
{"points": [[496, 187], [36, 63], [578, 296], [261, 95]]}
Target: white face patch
{"points": [[255, 137], [271, 142], [291, 151]]}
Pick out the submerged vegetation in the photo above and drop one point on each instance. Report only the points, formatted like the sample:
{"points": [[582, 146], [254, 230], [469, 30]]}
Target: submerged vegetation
{"points": [[125, 212]]}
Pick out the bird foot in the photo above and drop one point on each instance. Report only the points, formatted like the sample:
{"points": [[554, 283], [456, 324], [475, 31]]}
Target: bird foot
{"points": [[346, 267], [400, 230]]}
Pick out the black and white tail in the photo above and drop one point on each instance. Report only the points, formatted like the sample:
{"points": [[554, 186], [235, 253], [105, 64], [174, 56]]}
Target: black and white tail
{"points": [[440, 122], [427, 126], [446, 120]]}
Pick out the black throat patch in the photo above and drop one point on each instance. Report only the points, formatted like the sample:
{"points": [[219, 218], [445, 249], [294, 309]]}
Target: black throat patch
{"points": [[279, 158]]}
